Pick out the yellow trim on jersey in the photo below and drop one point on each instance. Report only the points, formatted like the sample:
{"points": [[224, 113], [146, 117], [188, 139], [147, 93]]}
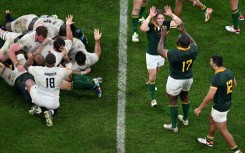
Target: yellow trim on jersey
{"points": [[155, 24], [184, 49], [220, 70]]}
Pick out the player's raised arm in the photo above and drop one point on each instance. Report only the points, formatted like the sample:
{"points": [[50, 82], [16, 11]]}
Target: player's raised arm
{"points": [[175, 19], [97, 36], [144, 26], [69, 22], [161, 48], [183, 30]]}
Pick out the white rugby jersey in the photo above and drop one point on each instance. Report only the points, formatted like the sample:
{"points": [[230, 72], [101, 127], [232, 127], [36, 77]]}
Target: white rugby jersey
{"points": [[91, 58], [77, 45], [22, 23], [52, 23], [28, 43], [49, 48], [48, 81]]}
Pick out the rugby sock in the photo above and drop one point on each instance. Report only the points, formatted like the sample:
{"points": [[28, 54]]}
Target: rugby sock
{"points": [[174, 115], [9, 18], [142, 9], [2, 68], [54, 111], [240, 12], [135, 19], [6, 74], [234, 149], [151, 87], [209, 138], [185, 108], [204, 8], [235, 15]]}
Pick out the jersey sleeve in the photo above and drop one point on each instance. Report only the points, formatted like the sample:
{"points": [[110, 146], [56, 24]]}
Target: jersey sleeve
{"points": [[66, 72], [68, 44], [214, 82], [32, 70]]}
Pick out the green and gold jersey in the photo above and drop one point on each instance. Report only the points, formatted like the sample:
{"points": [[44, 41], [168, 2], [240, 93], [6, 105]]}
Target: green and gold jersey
{"points": [[181, 61], [223, 81], [154, 35]]}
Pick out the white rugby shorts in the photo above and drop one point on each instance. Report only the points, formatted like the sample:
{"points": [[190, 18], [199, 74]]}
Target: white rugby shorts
{"points": [[219, 116], [175, 86], [154, 61]]}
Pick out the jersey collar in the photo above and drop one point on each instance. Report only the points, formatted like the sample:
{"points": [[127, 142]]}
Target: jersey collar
{"points": [[220, 70], [184, 49]]}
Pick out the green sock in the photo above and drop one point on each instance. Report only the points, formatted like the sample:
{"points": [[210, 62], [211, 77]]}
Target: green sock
{"points": [[174, 115], [240, 13], [234, 149], [186, 108], [235, 15], [142, 10], [151, 87], [135, 19], [82, 82], [204, 8]]}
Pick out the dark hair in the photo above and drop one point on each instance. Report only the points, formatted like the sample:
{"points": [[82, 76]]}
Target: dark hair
{"points": [[183, 40], [62, 31], [58, 42], [159, 11], [42, 31], [80, 58], [217, 60], [50, 59]]}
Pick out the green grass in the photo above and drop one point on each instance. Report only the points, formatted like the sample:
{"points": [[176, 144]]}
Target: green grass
{"points": [[87, 124]]}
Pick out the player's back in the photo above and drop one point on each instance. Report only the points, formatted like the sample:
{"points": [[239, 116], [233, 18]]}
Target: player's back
{"points": [[51, 22], [181, 61], [28, 42], [48, 80]]}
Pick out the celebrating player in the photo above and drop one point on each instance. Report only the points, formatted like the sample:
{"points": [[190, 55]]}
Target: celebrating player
{"points": [[222, 84], [152, 26], [180, 80]]}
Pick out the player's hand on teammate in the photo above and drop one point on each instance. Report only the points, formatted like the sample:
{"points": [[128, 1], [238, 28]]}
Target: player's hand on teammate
{"points": [[63, 51], [153, 11], [69, 20], [168, 10], [97, 34], [20, 68], [88, 70], [164, 31], [182, 27]]}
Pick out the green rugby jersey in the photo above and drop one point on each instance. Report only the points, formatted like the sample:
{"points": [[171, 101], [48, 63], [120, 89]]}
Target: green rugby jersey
{"points": [[154, 35], [223, 81], [181, 61]]}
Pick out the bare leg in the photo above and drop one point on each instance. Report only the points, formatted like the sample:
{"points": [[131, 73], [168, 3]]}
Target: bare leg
{"points": [[221, 126], [212, 129], [178, 7]]}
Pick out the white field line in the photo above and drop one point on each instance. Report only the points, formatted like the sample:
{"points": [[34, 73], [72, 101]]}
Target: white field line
{"points": [[122, 65]]}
